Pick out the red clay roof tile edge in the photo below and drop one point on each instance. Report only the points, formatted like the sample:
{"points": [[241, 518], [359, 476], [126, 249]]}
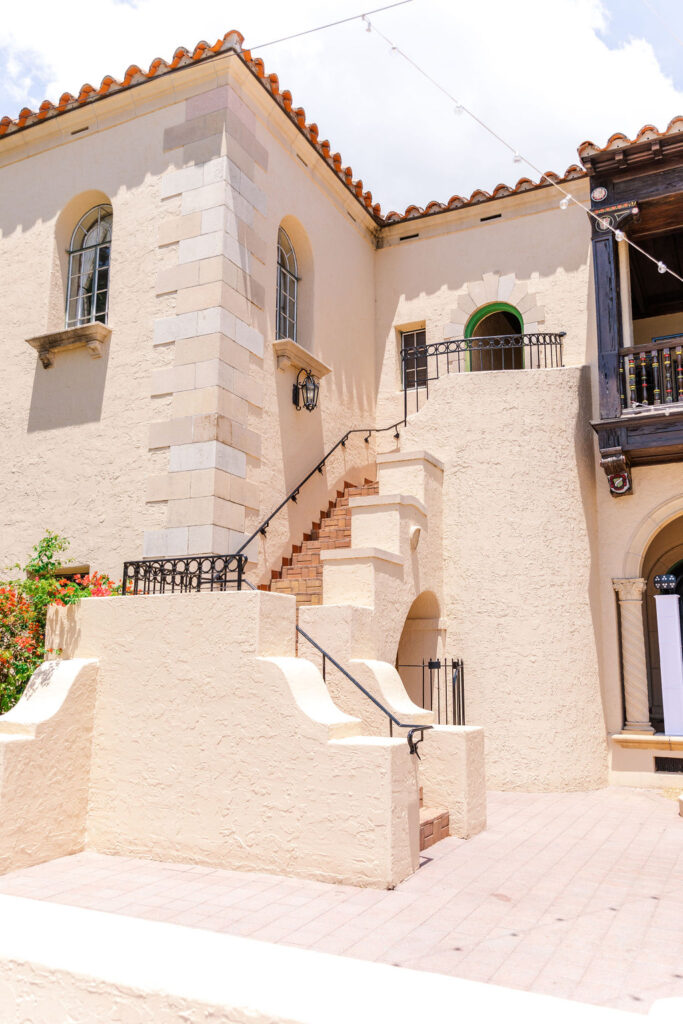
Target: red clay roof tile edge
{"points": [[619, 140], [232, 41]]}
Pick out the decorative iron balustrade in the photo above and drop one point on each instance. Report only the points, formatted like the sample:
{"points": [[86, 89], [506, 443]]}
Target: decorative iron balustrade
{"points": [[651, 375], [425, 363], [183, 575], [442, 684]]}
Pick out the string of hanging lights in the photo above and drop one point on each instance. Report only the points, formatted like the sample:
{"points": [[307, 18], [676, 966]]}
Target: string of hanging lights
{"points": [[567, 198]]}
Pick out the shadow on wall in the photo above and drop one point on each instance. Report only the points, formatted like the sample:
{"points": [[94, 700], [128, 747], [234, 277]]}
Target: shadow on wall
{"points": [[69, 392], [584, 446]]}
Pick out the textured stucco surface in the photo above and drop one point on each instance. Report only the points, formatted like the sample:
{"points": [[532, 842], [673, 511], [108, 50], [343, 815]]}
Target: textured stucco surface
{"points": [[63, 963], [213, 744], [74, 439], [45, 743], [519, 568]]}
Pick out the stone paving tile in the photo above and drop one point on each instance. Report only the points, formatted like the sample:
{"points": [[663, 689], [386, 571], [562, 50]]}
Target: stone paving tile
{"points": [[578, 895]]}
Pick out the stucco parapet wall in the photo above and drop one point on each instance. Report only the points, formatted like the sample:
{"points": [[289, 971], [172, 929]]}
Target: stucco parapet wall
{"points": [[361, 555], [76, 964], [389, 458], [90, 336], [398, 501], [289, 353]]}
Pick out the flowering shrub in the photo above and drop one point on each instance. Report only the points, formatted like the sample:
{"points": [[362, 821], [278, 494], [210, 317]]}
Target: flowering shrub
{"points": [[23, 611]]}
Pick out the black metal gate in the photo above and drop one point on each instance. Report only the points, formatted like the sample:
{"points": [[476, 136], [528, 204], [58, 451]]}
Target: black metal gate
{"points": [[441, 686]]}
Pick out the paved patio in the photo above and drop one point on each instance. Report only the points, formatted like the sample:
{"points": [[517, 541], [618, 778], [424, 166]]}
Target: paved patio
{"points": [[578, 895]]}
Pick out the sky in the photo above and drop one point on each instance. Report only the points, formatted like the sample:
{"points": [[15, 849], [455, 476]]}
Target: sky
{"points": [[544, 75]]}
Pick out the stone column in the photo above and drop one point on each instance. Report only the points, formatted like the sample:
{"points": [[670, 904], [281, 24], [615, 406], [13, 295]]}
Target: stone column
{"points": [[634, 665]]}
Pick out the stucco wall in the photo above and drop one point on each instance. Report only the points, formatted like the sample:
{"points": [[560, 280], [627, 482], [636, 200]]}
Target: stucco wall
{"points": [[184, 432], [520, 568], [74, 441], [45, 743], [213, 744], [535, 256]]}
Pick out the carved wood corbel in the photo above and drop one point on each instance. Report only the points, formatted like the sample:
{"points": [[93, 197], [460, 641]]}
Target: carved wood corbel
{"points": [[617, 467]]}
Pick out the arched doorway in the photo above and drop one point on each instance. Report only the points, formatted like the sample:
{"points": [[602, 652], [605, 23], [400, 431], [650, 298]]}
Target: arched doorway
{"points": [[663, 555], [419, 645], [495, 322]]}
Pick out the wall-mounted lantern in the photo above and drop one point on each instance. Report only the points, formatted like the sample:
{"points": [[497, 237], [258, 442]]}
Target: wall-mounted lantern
{"points": [[305, 391]]}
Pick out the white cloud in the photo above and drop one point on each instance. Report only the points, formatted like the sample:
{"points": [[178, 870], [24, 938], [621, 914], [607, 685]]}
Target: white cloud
{"points": [[538, 73]]}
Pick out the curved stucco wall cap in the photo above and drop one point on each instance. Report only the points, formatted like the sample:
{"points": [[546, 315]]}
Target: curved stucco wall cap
{"points": [[495, 287], [645, 532]]}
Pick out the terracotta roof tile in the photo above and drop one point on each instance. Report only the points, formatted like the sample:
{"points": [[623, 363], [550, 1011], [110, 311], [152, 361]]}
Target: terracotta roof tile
{"points": [[617, 141], [480, 196], [232, 42]]}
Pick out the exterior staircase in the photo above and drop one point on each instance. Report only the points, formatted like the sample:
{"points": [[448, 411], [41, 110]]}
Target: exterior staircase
{"points": [[301, 574]]}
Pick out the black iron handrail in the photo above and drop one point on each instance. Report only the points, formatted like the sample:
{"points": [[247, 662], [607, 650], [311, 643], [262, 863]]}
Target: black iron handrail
{"points": [[393, 720], [318, 468]]}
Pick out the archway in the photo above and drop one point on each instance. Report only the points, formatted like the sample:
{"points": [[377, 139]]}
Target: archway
{"points": [[663, 555], [419, 645], [494, 322]]}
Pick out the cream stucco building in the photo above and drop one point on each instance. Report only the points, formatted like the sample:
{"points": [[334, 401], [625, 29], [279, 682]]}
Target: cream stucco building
{"points": [[210, 251]]}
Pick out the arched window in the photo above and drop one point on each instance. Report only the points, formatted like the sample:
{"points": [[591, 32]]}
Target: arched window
{"points": [[496, 337], [287, 283], [87, 297]]}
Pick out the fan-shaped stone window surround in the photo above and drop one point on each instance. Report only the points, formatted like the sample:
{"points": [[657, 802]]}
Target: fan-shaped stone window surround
{"points": [[496, 288]]}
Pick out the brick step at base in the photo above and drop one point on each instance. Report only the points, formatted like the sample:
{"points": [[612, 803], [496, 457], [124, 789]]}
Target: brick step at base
{"points": [[434, 825]]}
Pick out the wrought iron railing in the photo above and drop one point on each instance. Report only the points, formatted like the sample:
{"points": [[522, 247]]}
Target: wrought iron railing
{"points": [[183, 575], [442, 685], [318, 468], [652, 374], [412, 728], [425, 363]]}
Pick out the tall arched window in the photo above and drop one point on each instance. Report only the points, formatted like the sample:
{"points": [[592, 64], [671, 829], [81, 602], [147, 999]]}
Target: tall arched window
{"points": [[87, 297], [287, 283]]}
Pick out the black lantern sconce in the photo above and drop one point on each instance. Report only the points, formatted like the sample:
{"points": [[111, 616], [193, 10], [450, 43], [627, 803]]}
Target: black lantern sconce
{"points": [[305, 391]]}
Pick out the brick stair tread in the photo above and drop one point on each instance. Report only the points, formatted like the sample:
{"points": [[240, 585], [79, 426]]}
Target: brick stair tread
{"points": [[432, 813], [300, 573]]}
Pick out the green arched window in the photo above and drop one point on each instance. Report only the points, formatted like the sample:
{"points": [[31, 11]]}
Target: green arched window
{"points": [[493, 330]]}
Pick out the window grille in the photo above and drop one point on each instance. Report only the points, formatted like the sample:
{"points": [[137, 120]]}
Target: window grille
{"points": [[287, 286], [414, 361], [87, 298]]}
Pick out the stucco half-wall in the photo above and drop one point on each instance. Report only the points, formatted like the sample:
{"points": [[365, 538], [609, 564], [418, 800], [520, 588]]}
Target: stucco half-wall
{"points": [[213, 744]]}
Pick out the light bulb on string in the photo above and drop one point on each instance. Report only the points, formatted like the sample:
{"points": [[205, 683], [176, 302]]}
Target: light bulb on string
{"points": [[662, 267], [516, 158], [368, 26], [619, 235], [458, 108], [564, 202]]}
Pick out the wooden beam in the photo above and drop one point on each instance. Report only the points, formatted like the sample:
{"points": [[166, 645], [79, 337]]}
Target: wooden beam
{"points": [[608, 322]]}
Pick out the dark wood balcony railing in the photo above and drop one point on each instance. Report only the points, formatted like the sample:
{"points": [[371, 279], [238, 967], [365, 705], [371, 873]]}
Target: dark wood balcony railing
{"points": [[425, 363], [652, 374]]}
